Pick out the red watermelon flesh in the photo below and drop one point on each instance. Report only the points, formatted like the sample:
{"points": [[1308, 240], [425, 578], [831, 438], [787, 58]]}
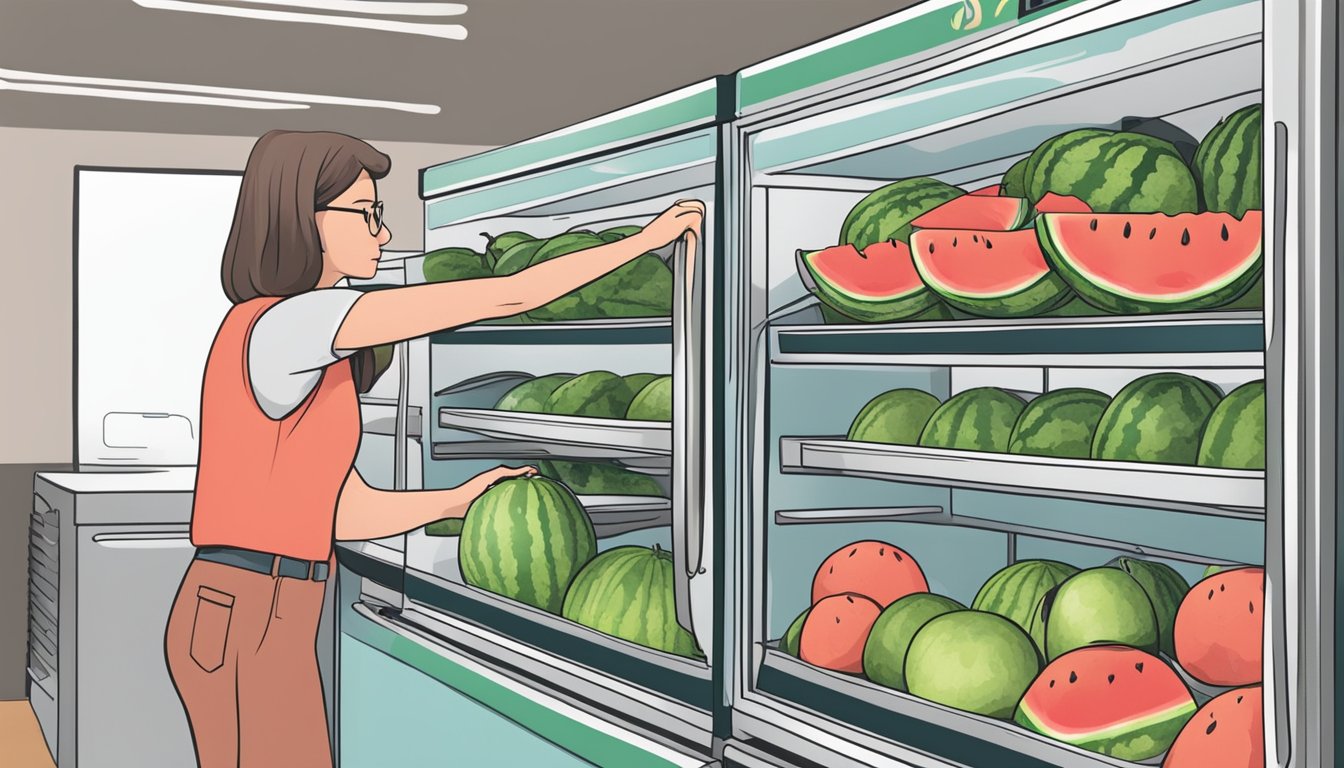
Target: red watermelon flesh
{"points": [[1219, 630], [1053, 203], [993, 274], [976, 212], [1133, 263], [992, 190], [1228, 732], [1110, 699], [877, 284]]}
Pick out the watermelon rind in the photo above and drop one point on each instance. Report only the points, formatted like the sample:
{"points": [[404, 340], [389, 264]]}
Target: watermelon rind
{"points": [[1234, 437], [526, 539], [789, 642], [1109, 297], [938, 312], [866, 309], [1062, 424], [653, 401], [1032, 296], [1228, 163], [1015, 592], [1113, 172], [897, 417], [629, 592], [1156, 418], [886, 213], [979, 419], [596, 394], [1165, 588]]}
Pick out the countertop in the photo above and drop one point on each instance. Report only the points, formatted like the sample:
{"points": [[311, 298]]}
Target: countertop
{"points": [[163, 480]]}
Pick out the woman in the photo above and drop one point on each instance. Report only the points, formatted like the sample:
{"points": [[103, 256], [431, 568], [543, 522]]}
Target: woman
{"points": [[280, 426]]}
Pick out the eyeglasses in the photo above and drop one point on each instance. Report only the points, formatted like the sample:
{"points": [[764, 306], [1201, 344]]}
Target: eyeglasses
{"points": [[373, 215]]}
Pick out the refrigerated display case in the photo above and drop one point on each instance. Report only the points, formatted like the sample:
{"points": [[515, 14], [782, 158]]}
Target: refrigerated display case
{"points": [[638, 478], [810, 142]]}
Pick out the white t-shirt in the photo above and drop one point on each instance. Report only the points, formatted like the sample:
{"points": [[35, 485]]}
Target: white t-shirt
{"points": [[292, 342]]}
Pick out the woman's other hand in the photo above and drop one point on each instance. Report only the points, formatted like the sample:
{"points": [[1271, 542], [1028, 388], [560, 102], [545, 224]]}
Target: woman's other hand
{"points": [[685, 216]]}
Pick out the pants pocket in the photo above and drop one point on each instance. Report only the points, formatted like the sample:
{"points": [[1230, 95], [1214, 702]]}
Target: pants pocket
{"points": [[210, 630]]}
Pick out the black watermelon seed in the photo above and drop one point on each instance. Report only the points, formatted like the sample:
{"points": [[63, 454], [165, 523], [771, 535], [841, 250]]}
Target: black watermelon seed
{"points": [[1073, 676], [1126, 233], [831, 569], [1239, 698], [853, 551], [1093, 225], [1110, 678], [1052, 683], [881, 551], [898, 557], [1185, 237], [1152, 233], [1210, 597], [1224, 232], [954, 242], [1139, 667], [988, 245], [849, 599], [931, 247], [1212, 726], [837, 619], [1222, 587], [1252, 605], [975, 238]]}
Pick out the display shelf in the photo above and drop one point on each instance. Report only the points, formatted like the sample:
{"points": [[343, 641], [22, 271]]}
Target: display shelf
{"points": [[379, 417], [1220, 492], [1218, 339], [653, 330], [637, 438], [967, 738], [616, 515], [939, 516]]}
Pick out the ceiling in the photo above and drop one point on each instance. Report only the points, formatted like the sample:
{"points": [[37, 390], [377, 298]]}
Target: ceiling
{"points": [[526, 66]]}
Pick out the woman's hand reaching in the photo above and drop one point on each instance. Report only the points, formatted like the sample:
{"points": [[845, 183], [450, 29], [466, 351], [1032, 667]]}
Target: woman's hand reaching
{"points": [[482, 482], [685, 216]]}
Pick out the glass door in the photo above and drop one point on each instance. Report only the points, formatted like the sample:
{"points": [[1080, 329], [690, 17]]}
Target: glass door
{"points": [[963, 430]]}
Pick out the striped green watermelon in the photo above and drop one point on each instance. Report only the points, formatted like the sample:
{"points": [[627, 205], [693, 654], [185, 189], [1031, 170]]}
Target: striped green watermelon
{"points": [[1014, 182], [629, 592], [889, 639], [526, 538], [517, 258], [640, 288], [885, 214], [1062, 423], [1113, 172], [978, 419], [1015, 592], [1165, 588], [638, 381], [1108, 699], [597, 478], [876, 285], [652, 402], [497, 245], [1131, 264], [789, 642], [1234, 437], [447, 264], [531, 396], [1157, 418], [596, 394], [1228, 163], [990, 274], [897, 417], [446, 527]]}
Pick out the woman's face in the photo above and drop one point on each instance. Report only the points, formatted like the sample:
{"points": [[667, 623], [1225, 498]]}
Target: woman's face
{"points": [[348, 248]]}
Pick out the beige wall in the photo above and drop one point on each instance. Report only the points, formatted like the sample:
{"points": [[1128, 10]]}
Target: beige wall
{"points": [[36, 197]]}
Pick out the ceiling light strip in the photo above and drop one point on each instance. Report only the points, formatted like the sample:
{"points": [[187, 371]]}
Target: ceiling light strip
{"points": [[240, 93], [133, 95], [444, 31], [369, 7]]}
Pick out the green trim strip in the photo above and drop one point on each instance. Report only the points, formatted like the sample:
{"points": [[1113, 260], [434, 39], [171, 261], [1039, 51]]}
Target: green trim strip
{"points": [[578, 738], [686, 108]]}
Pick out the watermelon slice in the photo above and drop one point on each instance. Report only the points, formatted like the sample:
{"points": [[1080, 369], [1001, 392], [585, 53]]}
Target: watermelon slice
{"points": [[1053, 203], [1111, 699], [993, 190], [1138, 263], [876, 285], [976, 212], [991, 274]]}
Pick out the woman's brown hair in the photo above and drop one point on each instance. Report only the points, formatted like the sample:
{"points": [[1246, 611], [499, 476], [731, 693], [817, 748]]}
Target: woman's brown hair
{"points": [[273, 247]]}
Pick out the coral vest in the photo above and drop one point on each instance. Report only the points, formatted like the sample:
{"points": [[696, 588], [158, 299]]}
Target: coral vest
{"points": [[263, 484]]}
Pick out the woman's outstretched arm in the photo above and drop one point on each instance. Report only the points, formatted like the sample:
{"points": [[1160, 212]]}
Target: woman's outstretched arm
{"points": [[364, 512]]}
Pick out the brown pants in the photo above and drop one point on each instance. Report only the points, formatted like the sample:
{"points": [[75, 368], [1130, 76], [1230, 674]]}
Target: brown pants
{"points": [[241, 650]]}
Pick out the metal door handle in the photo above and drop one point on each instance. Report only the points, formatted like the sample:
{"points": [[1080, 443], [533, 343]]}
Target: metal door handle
{"points": [[144, 540], [688, 502]]}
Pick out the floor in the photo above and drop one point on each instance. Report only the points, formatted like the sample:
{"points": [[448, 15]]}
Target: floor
{"points": [[24, 746]]}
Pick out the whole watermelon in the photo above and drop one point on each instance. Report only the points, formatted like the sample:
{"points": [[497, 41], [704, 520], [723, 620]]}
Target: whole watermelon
{"points": [[885, 214], [531, 396], [629, 592], [447, 264], [526, 538], [1015, 592], [1014, 183], [1113, 172], [517, 258], [596, 394], [897, 417], [653, 402], [497, 245], [980, 419], [789, 642], [1157, 418], [1060, 423], [1165, 588], [1234, 438], [596, 478], [1228, 162]]}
